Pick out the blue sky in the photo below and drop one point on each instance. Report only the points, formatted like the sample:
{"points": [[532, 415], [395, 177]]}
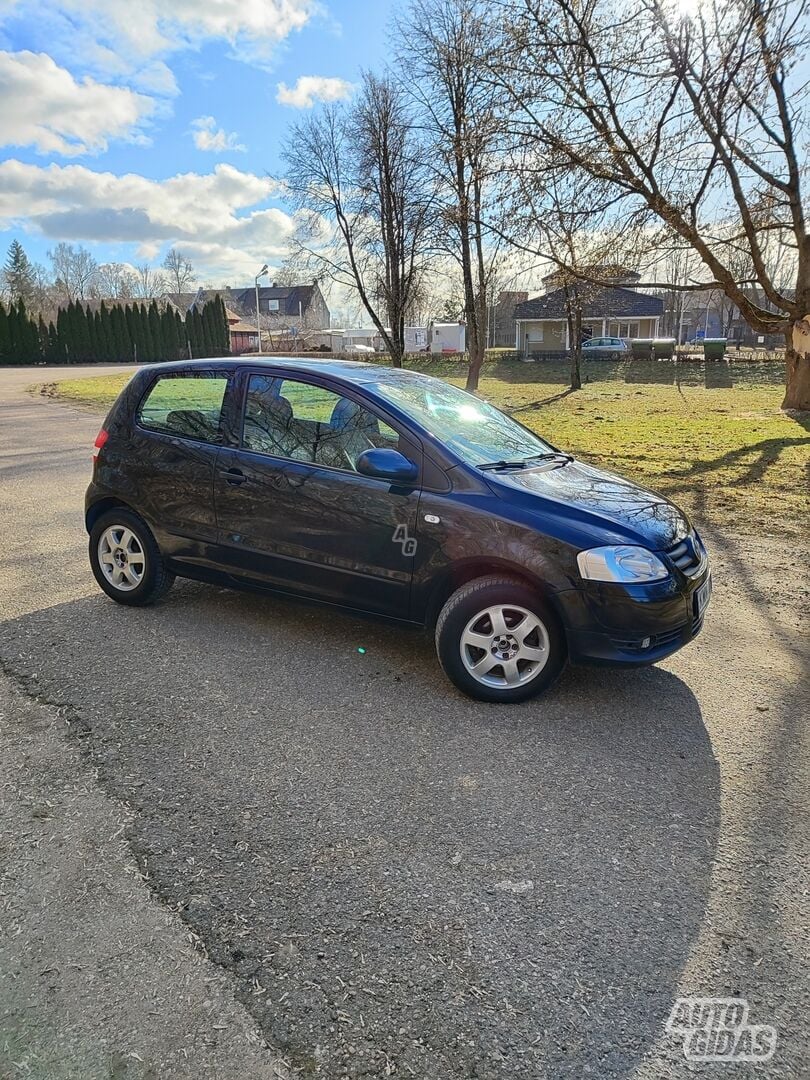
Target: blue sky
{"points": [[131, 128]]}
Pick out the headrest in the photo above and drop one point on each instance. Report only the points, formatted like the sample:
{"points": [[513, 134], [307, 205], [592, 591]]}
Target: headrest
{"points": [[349, 415]]}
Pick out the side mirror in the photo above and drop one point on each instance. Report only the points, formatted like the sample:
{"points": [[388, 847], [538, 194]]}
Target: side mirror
{"points": [[387, 464]]}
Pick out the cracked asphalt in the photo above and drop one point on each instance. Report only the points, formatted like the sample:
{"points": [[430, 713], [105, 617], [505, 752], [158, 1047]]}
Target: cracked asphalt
{"points": [[234, 846]]}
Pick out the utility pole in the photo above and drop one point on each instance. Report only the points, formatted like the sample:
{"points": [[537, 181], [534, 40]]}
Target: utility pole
{"points": [[261, 273]]}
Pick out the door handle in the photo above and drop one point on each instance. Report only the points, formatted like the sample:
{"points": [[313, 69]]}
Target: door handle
{"points": [[233, 476]]}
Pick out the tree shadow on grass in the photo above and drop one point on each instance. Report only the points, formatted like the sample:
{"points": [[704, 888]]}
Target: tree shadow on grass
{"points": [[692, 476], [395, 873]]}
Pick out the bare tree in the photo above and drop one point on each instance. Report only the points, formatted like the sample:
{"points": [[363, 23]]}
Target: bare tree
{"points": [[179, 271], [678, 268], [116, 281], [442, 48], [567, 215], [355, 174], [148, 282], [74, 271], [699, 129]]}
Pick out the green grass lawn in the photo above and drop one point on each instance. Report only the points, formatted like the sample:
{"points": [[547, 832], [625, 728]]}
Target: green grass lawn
{"points": [[710, 436]]}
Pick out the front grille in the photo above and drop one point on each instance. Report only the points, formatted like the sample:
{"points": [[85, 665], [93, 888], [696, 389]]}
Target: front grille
{"points": [[687, 556]]}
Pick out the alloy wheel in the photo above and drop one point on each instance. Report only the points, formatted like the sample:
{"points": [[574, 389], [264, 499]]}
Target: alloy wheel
{"points": [[505, 646], [121, 558]]}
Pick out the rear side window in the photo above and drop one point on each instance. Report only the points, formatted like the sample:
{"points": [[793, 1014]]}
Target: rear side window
{"points": [[188, 405]]}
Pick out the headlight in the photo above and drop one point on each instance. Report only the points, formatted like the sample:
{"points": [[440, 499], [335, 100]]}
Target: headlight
{"points": [[624, 563]]}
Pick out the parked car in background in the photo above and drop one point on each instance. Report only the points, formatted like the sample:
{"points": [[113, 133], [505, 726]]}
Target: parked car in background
{"points": [[605, 348], [390, 492], [354, 347]]}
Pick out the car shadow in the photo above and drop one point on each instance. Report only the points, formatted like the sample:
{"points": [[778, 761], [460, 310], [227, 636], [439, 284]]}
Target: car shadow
{"points": [[396, 875]]}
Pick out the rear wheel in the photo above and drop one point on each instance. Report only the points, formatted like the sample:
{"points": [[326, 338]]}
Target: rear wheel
{"points": [[499, 641], [126, 560]]}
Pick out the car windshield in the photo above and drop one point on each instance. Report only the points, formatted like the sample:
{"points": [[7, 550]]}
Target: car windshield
{"points": [[473, 428]]}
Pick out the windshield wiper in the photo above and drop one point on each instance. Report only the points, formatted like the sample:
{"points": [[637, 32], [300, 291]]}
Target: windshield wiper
{"points": [[556, 456]]}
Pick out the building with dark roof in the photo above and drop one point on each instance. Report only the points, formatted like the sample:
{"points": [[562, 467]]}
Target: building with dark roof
{"points": [[296, 305], [294, 311], [541, 325]]}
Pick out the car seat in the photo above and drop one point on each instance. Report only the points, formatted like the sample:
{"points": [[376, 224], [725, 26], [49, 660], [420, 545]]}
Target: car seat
{"points": [[268, 424], [355, 430]]}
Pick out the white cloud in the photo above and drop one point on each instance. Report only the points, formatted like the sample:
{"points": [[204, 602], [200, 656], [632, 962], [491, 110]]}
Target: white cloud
{"points": [[115, 38], [50, 110], [311, 88], [207, 136], [219, 219]]}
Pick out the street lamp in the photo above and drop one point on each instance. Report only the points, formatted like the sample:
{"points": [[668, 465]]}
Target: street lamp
{"points": [[261, 273]]}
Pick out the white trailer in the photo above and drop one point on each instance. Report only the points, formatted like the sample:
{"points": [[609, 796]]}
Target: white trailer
{"points": [[416, 339], [448, 337]]}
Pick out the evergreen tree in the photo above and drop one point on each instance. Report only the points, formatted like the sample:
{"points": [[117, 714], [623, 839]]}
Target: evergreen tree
{"points": [[24, 337], [5, 336], [93, 350], [85, 346], [63, 335], [224, 330], [18, 274], [149, 355], [189, 335], [198, 334], [104, 347], [42, 335], [182, 341], [122, 342], [168, 333], [156, 332], [54, 355], [209, 336]]}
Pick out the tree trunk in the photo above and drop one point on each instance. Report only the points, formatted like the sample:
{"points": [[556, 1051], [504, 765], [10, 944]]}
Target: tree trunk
{"points": [[473, 371], [797, 357], [477, 346], [574, 319], [576, 373]]}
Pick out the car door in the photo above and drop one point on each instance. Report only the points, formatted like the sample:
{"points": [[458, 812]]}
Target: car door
{"points": [[292, 510], [172, 456]]}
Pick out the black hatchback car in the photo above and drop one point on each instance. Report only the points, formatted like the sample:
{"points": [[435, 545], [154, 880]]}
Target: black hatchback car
{"points": [[390, 492]]}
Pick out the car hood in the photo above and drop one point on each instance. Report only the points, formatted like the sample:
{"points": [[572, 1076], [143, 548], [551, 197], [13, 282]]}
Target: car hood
{"points": [[603, 507]]}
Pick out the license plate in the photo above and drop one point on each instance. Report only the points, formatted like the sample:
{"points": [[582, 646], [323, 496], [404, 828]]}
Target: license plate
{"points": [[702, 597]]}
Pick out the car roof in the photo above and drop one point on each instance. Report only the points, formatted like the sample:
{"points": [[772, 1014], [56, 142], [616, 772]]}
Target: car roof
{"points": [[351, 370]]}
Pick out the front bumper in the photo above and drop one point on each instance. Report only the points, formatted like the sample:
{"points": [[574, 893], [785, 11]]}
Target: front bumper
{"points": [[608, 623]]}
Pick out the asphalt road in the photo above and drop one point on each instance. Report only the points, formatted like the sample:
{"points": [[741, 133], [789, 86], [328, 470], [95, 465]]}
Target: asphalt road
{"points": [[226, 829]]}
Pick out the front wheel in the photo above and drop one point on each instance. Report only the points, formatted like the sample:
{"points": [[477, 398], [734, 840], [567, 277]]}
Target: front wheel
{"points": [[499, 641], [126, 560]]}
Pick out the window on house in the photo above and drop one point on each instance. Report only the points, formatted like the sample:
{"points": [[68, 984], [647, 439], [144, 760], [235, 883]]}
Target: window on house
{"points": [[625, 329]]}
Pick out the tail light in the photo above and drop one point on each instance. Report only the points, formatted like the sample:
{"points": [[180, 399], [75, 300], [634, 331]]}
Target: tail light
{"points": [[101, 439]]}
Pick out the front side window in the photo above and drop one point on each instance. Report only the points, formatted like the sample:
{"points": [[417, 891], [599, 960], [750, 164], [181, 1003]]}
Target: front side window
{"points": [[304, 422], [477, 431], [188, 404]]}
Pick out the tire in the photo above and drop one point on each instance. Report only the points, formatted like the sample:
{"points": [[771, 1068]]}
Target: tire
{"points": [[535, 662], [126, 560]]}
